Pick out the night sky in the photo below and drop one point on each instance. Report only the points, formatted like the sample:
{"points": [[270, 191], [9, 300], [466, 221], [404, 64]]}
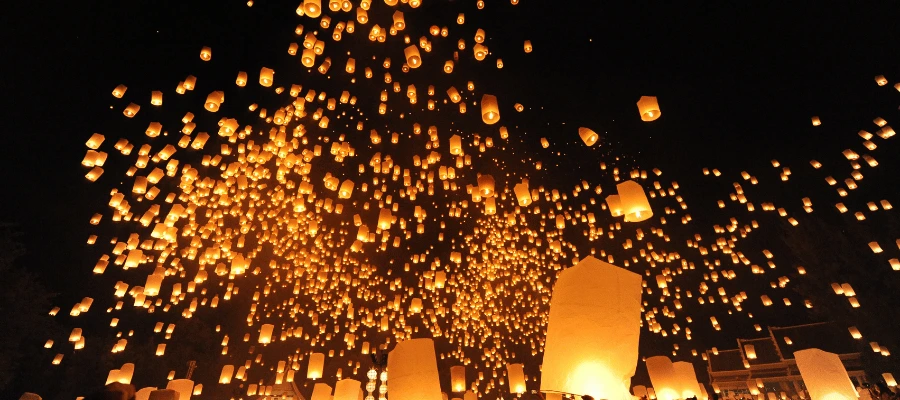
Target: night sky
{"points": [[737, 84]]}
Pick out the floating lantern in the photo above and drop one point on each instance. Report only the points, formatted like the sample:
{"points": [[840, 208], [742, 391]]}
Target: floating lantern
{"points": [[413, 371], [824, 375], [634, 203], [588, 136], [490, 111], [648, 107]]}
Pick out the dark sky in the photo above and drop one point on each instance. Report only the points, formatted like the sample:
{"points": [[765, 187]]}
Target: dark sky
{"points": [[737, 84]]}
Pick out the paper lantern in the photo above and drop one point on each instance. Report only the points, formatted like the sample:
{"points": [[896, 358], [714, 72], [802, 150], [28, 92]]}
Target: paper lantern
{"points": [[490, 111], [205, 53], [413, 59], [750, 351], [595, 308], [528, 47], [523, 196], [266, 77], [347, 389], [635, 205], [486, 185], [119, 91], [648, 107], [226, 374], [312, 8], [889, 379], [163, 394], [184, 387], [458, 378], [687, 379], [516, 374], [321, 391], [663, 376], [588, 136], [614, 203], [316, 365], [413, 371], [824, 375]]}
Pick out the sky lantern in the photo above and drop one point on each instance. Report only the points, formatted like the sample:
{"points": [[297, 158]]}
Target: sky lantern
{"points": [[321, 391], [824, 375], [528, 47], [265, 333], [635, 205], [184, 387], [267, 76], [316, 365], [516, 373], [347, 389], [595, 307], [312, 8], [458, 378], [490, 110], [413, 59], [523, 196], [119, 91], [816, 121], [413, 371], [687, 379], [588, 136], [206, 53], [648, 107], [663, 376], [486, 185]]}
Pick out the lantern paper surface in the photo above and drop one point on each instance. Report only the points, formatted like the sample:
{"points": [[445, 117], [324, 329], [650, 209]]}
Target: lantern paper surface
{"points": [[321, 391], [413, 371], [347, 389], [634, 202], [824, 375], [595, 308], [663, 378], [687, 379], [184, 387]]}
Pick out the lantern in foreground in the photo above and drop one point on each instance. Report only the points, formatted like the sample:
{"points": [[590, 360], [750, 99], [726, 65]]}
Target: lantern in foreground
{"points": [[490, 111], [316, 364], [663, 376], [321, 391], [265, 333], [266, 77], [635, 205], [458, 378], [184, 387], [312, 8], [516, 378], [687, 379], [413, 59], [615, 205], [648, 107], [414, 373], [824, 375], [588, 136], [595, 308], [347, 389]]}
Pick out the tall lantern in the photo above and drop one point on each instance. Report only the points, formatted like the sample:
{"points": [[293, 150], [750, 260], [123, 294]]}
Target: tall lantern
{"points": [[595, 308], [649, 108], [265, 333], [458, 378], [184, 387], [635, 205], [523, 196], [321, 391], [347, 389], [486, 185], [516, 378], [588, 136], [316, 364], [662, 375], [312, 8], [413, 371], [615, 205], [490, 111], [824, 375], [266, 77], [687, 379]]}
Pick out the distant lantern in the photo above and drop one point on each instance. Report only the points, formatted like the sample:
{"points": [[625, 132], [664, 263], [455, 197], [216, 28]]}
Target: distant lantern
{"points": [[486, 185], [241, 80], [603, 326], [413, 371], [205, 53], [214, 100], [824, 375], [266, 77], [816, 121], [481, 51], [265, 333], [648, 107], [516, 374], [490, 111], [399, 23], [528, 47], [881, 80], [312, 8], [316, 365], [635, 205], [413, 59], [119, 91], [448, 66], [750, 351], [588, 136]]}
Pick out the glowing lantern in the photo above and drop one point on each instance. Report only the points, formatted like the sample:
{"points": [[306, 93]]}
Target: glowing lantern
{"points": [[604, 326], [614, 203], [227, 373], [881, 80], [347, 389], [413, 371], [486, 185], [312, 8], [588, 136], [184, 387], [528, 47], [635, 205], [321, 391], [265, 333], [214, 100], [687, 379], [648, 107], [119, 91], [458, 378], [523, 196], [267, 76], [824, 375], [241, 80], [816, 121], [456, 145], [316, 365], [663, 376], [516, 378], [205, 53], [490, 111], [413, 59], [750, 351]]}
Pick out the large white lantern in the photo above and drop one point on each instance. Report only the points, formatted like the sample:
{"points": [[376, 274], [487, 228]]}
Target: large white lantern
{"points": [[635, 205], [824, 375], [593, 331], [662, 375], [414, 372], [347, 389]]}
